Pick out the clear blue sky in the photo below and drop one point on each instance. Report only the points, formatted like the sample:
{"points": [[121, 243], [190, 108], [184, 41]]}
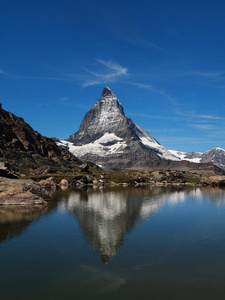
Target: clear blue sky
{"points": [[164, 60]]}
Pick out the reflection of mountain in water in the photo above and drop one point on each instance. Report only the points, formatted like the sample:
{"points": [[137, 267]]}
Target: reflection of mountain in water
{"points": [[14, 220], [105, 217]]}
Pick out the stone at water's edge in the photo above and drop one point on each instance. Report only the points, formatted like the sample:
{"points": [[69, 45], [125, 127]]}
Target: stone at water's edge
{"points": [[63, 182], [21, 192], [213, 180], [48, 183]]}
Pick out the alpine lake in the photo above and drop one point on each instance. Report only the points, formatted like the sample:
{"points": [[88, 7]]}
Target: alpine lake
{"points": [[116, 243]]}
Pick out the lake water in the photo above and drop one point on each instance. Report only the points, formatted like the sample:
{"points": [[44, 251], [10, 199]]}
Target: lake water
{"points": [[117, 243]]}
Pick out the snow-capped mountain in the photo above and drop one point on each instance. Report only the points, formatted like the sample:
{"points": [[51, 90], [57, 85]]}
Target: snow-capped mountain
{"points": [[110, 139], [106, 134], [195, 157], [216, 156]]}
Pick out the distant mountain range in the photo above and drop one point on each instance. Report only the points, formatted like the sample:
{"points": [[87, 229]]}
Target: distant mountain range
{"points": [[110, 139], [216, 156]]}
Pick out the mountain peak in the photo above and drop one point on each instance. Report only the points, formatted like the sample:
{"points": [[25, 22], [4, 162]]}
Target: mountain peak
{"points": [[106, 92], [105, 124], [107, 137]]}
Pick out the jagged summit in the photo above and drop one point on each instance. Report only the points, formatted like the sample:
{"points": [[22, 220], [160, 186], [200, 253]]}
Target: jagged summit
{"points": [[107, 92], [106, 115], [109, 102]]}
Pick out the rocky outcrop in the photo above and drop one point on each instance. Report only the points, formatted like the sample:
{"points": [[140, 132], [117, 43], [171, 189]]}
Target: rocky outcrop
{"points": [[48, 183], [187, 166], [213, 180], [63, 182], [23, 150], [84, 168], [4, 172], [21, 192]]}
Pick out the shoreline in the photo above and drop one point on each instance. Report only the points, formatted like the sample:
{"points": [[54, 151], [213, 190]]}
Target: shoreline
{"points": [[38, 191]]}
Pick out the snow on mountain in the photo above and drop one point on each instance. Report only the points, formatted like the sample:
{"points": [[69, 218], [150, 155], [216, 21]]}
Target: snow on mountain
{"points": [[107, 145], [216, 156], [150, 142], [190, 156]]}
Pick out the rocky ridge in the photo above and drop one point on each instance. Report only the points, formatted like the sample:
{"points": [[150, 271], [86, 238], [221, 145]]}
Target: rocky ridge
{"points": [[25, 151], [216, 156]]}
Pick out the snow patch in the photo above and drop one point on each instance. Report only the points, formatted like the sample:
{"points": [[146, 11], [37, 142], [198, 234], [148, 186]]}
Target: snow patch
{"points": [[162, 152], [147, 136], [152, 143], [183, 156], [97, 147], [217, 148]]}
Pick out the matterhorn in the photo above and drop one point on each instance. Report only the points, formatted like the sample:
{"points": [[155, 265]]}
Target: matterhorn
{"points": [[113, 141]]}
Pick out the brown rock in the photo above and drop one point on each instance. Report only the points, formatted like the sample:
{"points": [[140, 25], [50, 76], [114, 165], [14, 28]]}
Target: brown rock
{"points": [[21, 192], [84, 168], [213, 180], [48, 183], [25, 150], [64, 182]]}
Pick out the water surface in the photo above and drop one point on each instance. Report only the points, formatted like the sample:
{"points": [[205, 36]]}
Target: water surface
{"points": [[118, 243]]}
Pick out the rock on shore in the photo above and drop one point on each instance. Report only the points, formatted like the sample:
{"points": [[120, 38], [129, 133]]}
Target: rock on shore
{"points": [[21, 192]]}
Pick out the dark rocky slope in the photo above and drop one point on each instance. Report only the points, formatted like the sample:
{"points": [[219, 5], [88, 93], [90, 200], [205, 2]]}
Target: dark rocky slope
{"points": [[23, 150]]}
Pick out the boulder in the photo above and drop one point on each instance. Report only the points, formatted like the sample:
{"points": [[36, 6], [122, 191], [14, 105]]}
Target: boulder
{"points": [[21, 192], [84, 168], [64, 182], [48, 183], [80, 180], [4, 172]]}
